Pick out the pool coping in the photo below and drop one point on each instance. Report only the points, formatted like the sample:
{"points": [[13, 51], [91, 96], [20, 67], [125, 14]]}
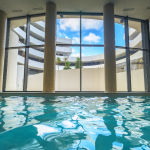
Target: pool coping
{"points": [[39, 94]]}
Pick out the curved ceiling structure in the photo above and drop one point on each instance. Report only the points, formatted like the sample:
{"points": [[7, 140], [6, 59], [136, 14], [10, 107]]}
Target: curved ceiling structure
{"points": [[139, 7]]}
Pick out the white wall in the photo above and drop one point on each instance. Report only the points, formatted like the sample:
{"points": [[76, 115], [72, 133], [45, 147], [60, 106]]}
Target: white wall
{"points": [[92, 80]]}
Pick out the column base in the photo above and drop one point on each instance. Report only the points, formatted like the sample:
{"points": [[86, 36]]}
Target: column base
{"points": [[48, 91]]}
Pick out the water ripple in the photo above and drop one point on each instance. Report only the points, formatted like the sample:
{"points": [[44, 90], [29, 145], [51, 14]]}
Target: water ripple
{"points": [[74, 123]]}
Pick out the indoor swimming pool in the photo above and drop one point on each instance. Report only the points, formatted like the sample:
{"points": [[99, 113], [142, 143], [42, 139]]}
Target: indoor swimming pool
{"points": [[74, 123]]}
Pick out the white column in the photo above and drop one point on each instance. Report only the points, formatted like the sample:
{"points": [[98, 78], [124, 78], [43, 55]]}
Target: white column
{"points": [[3, 17], [49, 52], [109, 49]]}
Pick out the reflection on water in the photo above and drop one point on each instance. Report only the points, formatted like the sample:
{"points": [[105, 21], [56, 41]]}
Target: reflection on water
{"points": [[74, 123]]}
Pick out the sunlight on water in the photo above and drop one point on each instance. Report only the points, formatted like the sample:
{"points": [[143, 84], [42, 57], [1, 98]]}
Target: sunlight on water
{"points": [[74, 123]]}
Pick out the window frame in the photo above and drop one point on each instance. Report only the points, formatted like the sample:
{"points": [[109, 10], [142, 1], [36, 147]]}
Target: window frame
{"points": [[145, 49]]}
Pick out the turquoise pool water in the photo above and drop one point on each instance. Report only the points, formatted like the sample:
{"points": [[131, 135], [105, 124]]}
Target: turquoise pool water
{"points": [[74, 123]]}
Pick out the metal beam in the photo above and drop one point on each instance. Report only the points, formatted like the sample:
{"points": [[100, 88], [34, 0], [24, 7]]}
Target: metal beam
{"points": [[80, 55], [127, 55], [146, 54], [6, 56], [26, 55], [83, 45]]}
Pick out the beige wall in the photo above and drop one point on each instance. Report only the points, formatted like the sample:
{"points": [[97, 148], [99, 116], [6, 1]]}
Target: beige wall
{"points": [[11, 79], [137, 80], [68, 80], [92, 80], [35, 82], [121, 81]]}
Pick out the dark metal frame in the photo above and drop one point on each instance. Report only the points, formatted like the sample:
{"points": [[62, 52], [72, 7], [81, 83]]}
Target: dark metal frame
{"points": [[80, 54], [146, 54], [26, 54], [6, 55], [127, 55], [145, 49]]}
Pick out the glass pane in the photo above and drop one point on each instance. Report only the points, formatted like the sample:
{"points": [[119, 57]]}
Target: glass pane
{"points": [[119, 32], [17, 33], [137, 70], [68, 29], [15, 70], [121, 69], [93, 69], [35, 69], [67, 68], [37, 30], [92, 30], [135, 34]]}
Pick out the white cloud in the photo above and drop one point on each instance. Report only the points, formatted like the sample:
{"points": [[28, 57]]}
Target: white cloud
{"points": [[92, 24], [58, 31], [57, 27], [77, 55], [76, 40], [67, 37], [73, 50], [74, 24], [92, 38]]}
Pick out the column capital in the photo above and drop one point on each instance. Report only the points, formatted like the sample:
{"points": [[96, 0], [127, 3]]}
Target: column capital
{"points": [[3, 13], [109, 4], [50, 3]]}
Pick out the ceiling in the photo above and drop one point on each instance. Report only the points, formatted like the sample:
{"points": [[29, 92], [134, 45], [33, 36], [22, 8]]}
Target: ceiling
{"points": [[140, 7]]}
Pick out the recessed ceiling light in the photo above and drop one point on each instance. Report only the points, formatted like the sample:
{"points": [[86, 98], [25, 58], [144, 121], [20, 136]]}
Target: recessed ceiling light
{"points": [[128, 9], [39, 8], [148, 7], [17, 11]]}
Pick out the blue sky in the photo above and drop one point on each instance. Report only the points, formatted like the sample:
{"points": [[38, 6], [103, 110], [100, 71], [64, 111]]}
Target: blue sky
{"points": [[92, 33]]}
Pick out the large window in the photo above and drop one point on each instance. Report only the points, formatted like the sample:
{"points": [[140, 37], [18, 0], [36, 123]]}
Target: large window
{"points": [[135, 34], [37, 30], [17, 34], [93, 69], [35, 69], [68, 33], [92, 30], [15, 69], [119, 32], [137, 70], [68, 69], [68, 27], [137, 65], [80, 64], [121, 74]]}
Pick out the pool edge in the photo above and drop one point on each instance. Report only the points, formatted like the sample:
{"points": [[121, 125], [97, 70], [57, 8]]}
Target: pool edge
{"points": [[118, 94]]}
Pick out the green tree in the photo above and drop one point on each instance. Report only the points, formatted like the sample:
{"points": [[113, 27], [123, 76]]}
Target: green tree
{"points": [[65, 59], [77, 63], [58, 61], [67, 66]]}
